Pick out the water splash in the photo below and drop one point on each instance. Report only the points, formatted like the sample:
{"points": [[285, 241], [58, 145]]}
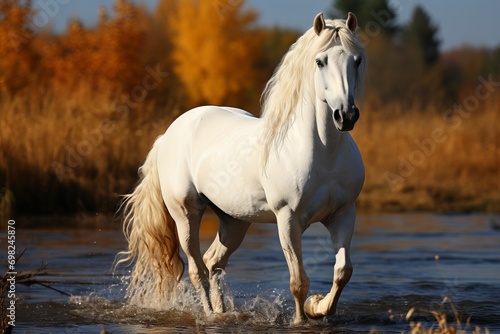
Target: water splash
{"points": [[185, 309]]}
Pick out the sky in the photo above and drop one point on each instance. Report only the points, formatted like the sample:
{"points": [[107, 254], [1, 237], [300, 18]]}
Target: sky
{"points": [[471, 22]]}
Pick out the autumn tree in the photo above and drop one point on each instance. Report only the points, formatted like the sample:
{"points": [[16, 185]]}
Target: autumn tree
{"points": [[16, 34], [108, 56], [68, 57], [158, 49], [214, 49], [161, 33], [121, 40]]}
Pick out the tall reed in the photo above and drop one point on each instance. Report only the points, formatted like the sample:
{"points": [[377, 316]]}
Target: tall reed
{"points": [[434, 159], [68, 152]]}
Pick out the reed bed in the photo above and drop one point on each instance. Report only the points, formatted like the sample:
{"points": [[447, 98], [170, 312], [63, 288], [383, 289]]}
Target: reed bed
{"points": [[76, 153], [70, 152], [433, 159]]}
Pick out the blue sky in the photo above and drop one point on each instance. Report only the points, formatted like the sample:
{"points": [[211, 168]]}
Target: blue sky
{"points": [[473, 22]]}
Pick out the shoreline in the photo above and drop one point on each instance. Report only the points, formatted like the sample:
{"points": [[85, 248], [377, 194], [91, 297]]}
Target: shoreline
{"points": [[110, 221]]}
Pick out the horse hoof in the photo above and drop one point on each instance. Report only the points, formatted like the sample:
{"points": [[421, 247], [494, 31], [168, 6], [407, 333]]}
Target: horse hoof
{"points": [[311, 304]]}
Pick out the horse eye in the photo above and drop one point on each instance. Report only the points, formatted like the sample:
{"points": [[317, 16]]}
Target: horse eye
{"points": [[319, 63], [357, 61]]}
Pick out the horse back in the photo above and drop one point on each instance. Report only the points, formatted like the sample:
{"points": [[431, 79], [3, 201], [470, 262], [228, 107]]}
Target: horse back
{"points": [[214, 152]]}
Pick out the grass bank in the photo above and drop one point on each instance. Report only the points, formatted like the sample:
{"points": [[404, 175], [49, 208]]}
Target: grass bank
{"points": [[74, 153], [433, 160], [68, 154]]}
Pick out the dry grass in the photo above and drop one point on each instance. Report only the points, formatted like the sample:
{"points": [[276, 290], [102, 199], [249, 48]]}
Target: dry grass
{"points": [[443, 326], [430, 160], [74, 152]]}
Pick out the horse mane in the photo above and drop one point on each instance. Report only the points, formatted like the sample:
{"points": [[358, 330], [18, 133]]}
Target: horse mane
{"points": [[293, 80]]}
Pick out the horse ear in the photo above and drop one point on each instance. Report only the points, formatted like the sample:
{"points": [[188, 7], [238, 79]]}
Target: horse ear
{"points": [[352, 22], [319, 23]]}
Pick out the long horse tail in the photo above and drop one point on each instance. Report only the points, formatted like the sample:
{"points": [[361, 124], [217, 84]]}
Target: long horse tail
{"points": [[152, 238]]}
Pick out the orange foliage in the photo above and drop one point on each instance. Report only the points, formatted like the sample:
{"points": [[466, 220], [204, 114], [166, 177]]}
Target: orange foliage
{"points": [[213, 49], [16, 60], [107, 56]]}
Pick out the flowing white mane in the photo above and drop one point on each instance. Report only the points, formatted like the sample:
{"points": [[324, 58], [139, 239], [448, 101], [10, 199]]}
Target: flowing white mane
{"points": [[293, 81]]}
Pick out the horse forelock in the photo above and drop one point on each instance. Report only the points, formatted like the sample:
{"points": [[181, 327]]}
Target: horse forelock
{"points": [[293, 80]]}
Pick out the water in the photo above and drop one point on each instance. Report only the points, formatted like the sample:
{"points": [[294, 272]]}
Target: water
{"points": [[400, 262]]}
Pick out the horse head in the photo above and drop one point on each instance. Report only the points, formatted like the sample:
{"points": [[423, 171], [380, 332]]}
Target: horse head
{"points": [[339, 68]]}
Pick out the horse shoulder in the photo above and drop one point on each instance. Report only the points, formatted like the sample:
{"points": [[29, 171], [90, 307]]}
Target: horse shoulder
{"points": [[315, 189]]}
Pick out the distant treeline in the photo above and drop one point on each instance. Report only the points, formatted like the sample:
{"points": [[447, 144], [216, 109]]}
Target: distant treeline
{"points": [[79, 109]]}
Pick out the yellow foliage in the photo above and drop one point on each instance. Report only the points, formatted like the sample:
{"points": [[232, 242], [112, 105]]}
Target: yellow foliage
{"points": [[213, 49]]}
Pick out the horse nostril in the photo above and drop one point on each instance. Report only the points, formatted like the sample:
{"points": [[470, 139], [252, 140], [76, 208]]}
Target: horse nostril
{"points": [[336, 115], [352, 115]]}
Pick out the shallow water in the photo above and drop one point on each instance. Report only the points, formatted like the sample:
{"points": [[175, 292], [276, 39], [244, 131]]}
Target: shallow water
{"points": [[400, 262]]}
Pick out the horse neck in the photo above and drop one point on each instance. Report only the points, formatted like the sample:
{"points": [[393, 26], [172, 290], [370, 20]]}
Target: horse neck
{"points": [[314, 128]]}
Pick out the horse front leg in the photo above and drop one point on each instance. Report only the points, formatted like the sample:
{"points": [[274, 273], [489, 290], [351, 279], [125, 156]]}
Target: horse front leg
{"points": [[341, 228], [290, 234]]}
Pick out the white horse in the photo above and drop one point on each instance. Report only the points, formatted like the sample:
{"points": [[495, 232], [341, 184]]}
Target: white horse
{"points": [[294, 166]]}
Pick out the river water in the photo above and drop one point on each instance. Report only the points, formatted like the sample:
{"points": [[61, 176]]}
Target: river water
{"points": [[444, 263]]}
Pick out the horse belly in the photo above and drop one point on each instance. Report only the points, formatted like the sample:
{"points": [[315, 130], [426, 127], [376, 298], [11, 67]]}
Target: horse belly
{"points": [[243, 206], [233, 188]]}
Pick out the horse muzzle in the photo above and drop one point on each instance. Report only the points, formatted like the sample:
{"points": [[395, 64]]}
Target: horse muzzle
{"points": [[345, 119]]}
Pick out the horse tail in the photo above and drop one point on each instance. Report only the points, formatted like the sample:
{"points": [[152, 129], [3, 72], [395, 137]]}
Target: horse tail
{"points": [[152, 238]]}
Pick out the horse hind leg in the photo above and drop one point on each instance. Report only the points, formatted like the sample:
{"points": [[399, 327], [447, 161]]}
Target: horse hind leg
{"points": [[228, 239], [187, 214]]}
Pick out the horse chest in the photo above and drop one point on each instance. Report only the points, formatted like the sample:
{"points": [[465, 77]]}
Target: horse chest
{"points": [[315, 193]]}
